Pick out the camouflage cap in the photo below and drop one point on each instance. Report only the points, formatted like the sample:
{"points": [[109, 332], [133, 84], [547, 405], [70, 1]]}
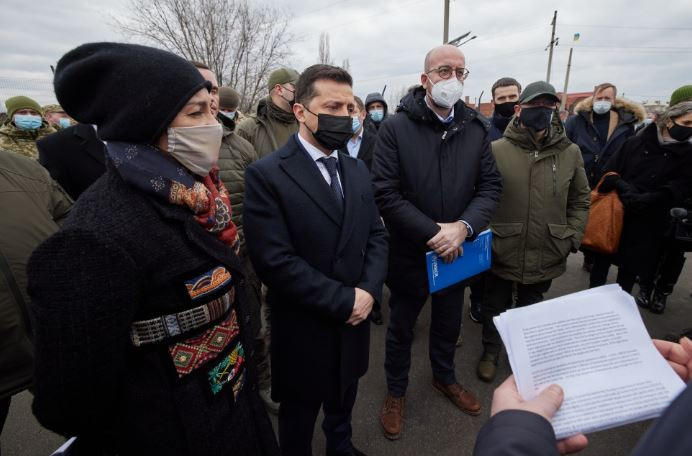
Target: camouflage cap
{"points": [[52, 108]]}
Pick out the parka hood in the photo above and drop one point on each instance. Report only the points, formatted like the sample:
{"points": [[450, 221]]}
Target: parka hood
{"points": [[523, 137], [636, 111]]}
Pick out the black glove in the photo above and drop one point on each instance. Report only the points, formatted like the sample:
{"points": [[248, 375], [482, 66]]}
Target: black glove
{"points": [[642, 203], [608, 184]]}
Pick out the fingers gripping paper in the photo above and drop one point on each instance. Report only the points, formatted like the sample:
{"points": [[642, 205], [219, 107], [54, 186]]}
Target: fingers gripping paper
{"points": [[595, 346]]}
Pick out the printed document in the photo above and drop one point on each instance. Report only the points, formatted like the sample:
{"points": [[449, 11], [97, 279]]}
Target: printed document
{"points": [[595, 346]]}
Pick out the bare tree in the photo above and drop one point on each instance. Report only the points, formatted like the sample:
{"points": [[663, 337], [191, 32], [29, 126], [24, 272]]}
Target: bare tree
{"points": [[241, 43], [324, 52], [346, 65]]}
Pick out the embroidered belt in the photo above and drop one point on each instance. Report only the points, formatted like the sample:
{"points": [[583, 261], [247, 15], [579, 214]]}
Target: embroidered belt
{"points": [[155, 330]]}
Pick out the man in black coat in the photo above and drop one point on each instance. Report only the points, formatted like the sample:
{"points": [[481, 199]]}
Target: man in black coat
{"points": [[522, 428], [316, 240], [74, 157], [436, 184]]}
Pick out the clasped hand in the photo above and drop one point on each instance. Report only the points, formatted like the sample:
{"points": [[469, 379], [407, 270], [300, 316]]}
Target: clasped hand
{"points": [[447, 242], [362, 305]]}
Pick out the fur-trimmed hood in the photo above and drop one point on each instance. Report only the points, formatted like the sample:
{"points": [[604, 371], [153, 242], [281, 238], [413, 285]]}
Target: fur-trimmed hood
{"points": [[621, 104]]}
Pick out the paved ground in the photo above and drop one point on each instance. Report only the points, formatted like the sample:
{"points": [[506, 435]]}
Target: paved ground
{"points": [[433, 426]]}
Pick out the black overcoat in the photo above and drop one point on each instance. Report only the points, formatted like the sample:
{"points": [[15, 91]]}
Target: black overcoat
{"points": [[424, 173], [311, 256], [123, 256]]}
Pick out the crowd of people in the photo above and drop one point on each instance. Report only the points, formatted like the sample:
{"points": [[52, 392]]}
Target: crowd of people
{"points": [[169, 259]]}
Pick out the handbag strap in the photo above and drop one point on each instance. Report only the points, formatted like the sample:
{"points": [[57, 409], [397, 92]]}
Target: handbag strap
{"points": [[610, 173]]}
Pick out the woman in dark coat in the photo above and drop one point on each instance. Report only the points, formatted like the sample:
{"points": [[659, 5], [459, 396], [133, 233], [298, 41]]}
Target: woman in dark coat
{"points": [[143, 342], [655, 174]]}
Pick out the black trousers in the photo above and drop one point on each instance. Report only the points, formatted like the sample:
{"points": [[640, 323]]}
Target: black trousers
{"points": [[445, 325], [498, 298], [297, 423], [670, 268]]}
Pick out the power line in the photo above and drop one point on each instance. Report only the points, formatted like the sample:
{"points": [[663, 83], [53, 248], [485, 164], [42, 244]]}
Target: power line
{"points": [[636, 27]]}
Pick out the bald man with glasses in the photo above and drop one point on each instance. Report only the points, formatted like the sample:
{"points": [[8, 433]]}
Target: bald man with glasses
{"points": [[436, 185]]}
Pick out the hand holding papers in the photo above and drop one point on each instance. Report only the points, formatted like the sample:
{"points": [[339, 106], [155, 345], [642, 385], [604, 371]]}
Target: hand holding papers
{"points": [[595, 346]]}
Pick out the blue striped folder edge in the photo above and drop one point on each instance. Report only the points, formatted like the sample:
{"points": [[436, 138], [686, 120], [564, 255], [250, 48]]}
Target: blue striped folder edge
{"points": [[476, 259]]}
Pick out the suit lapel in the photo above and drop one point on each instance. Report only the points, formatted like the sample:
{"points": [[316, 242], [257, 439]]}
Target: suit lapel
{"points": [[304, 172], [90, 142], [351, 198]]}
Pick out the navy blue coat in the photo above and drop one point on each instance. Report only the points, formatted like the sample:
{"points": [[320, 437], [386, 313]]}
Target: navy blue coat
{"points": [[498, 124], [425, 173], [311, 257], [580, 130], [519, 433]]}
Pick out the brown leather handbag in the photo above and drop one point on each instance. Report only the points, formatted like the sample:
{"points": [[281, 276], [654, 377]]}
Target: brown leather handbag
{"points": [[604, 226]]}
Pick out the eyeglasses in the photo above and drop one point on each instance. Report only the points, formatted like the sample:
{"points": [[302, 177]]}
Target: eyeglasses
{"points": [[445, 72]]}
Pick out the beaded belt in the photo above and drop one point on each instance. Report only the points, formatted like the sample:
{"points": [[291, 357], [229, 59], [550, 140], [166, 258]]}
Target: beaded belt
{"points": [[155, 330]]}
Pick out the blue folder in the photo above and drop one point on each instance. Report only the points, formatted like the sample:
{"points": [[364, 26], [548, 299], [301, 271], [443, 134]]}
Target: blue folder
{"points": [[476, 259]]}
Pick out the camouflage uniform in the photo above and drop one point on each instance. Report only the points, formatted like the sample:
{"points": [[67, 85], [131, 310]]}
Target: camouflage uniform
{"points": [[23, 142]]}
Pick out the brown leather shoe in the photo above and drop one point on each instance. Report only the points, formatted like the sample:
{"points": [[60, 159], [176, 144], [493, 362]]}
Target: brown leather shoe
{"points": [[392, 416], [459, 397]]}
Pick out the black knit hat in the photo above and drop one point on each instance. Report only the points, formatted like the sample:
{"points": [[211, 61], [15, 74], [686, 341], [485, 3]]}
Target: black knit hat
{"points": [[130, 92]]}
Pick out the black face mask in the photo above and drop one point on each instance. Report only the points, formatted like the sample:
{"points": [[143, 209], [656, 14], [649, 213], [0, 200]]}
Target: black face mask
{"points": [[536, 118], [333, 132], [680, 132], [505, 109]]}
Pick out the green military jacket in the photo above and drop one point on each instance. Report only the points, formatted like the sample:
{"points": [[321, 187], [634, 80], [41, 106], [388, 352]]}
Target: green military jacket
{"points": [[235, 156], [264, 133], [23, 142], [544, 204], [32, 205]]}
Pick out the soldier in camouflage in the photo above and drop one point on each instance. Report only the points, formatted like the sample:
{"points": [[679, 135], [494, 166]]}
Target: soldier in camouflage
{"points": [[23, 127]]}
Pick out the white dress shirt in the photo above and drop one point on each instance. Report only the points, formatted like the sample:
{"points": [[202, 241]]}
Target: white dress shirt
{"points": [[316, 154], [353, 145]]}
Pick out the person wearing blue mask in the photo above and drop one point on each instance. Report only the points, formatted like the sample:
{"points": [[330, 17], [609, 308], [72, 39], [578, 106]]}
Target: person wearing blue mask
{"points": [[229, 103], [24, 126], [56, 116], [361, 146], [376, 108]]}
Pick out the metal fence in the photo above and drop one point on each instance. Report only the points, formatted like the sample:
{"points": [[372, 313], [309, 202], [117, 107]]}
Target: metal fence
{"points": [[40, 90]]}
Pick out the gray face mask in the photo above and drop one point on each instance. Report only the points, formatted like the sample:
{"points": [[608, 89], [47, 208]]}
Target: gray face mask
{"points": [[196, 148]]}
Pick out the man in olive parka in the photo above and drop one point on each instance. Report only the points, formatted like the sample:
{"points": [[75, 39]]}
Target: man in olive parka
{"points": [[542, 212]]}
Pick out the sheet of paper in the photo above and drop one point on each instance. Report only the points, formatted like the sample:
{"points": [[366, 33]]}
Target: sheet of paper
{"points": [[596, 347]]}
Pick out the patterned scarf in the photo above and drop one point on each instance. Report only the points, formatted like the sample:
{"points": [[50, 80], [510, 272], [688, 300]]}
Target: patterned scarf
{"points": [[147, 169]]}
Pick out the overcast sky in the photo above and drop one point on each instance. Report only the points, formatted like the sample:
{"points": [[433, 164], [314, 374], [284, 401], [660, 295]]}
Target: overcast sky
{"points": [[643, 47]]}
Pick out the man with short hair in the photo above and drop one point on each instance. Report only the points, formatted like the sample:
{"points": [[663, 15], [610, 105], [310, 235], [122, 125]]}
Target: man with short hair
{"points": [[436, 185], [602, 122], [542, 213], [23, 127], [361, 146], [316, 240], [274, 122], [505, 93], [56, 116], [376, 107]]}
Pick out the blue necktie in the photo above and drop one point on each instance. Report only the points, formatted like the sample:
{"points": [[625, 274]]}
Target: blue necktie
{"points": [[330, 164]]}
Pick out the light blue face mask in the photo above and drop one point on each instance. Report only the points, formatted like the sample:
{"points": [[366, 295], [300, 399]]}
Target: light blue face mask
{"points": [[27, 121], [64, 122], [230, 115], [377, 115], [356, 124]]}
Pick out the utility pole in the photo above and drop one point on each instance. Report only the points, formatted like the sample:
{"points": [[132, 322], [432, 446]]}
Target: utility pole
{"points": [[564, 92], [445, 36], [553, 42]]}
